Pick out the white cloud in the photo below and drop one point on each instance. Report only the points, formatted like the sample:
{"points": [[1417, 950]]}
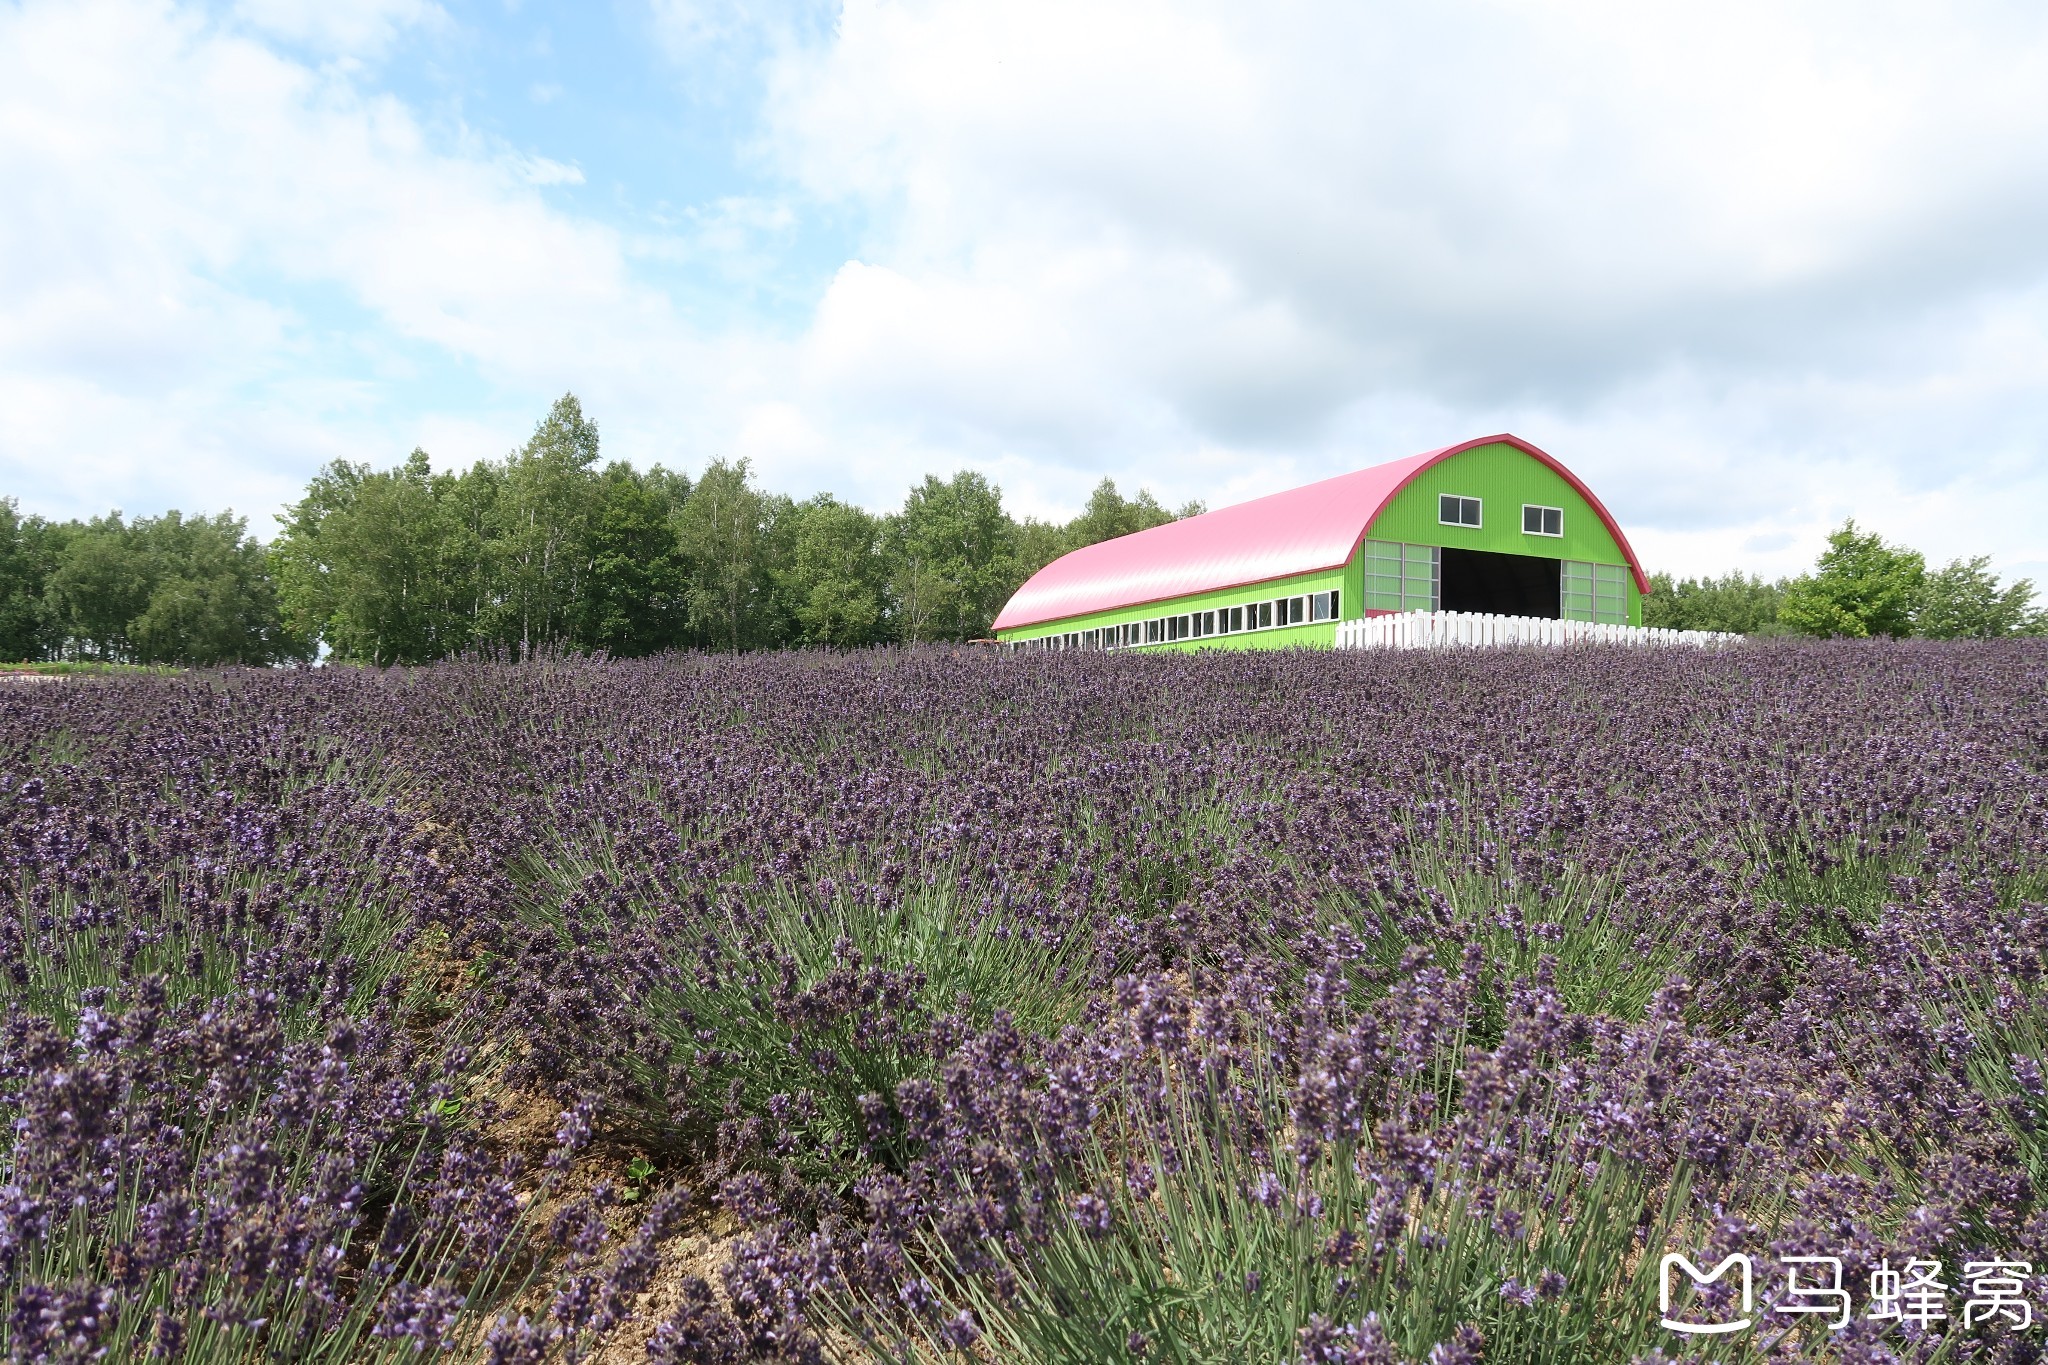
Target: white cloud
{"points": [[1757, 264], [194, 212], [539, 170], [1750, 268], [351, 28]]}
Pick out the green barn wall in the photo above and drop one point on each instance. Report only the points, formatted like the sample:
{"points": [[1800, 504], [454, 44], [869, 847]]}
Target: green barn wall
{"points": [[1501, 476]]}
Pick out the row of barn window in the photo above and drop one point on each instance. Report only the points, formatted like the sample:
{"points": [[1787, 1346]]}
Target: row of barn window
{"points": [[1398, 577], [1537, 520], [1275, 614]]}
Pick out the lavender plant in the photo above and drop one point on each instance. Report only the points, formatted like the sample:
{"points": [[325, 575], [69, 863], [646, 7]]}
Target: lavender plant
{"points": [[1303, 1007]]}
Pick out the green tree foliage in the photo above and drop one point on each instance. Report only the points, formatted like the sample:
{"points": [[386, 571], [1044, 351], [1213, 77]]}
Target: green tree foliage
{"points": [[546, 548], [211, 598], [97, 587], [367, 562], [167, 589], [1037, 544], [1109, 515], [540, 527], [1964, 601], [831, 578], [540, 549], [1861, 587], [633, 599], [1737, 603], [722, 534], [29, 549], [952, 552]]}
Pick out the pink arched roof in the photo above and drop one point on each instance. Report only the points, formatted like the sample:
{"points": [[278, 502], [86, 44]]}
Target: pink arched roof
{"points": [[1300, 531]]}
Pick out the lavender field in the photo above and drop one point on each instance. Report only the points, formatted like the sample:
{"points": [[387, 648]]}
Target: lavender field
{"points": [[941, 1006]]}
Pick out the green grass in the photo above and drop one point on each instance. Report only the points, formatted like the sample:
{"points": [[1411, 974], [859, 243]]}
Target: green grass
{"points": [[813, 1006], [1231, 1255], [88, 668]]}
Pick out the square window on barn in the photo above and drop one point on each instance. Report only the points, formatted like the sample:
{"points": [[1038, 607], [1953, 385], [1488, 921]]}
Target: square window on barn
{"points": [[1542, 521], [1265, 610], [1453, 510]]}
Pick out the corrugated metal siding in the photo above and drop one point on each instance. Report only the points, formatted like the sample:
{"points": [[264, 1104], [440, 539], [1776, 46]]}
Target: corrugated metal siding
{"points": [[1503, 477]]}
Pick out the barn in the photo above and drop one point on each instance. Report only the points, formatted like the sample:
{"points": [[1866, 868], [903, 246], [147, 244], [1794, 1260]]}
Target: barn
{"points": [[1490, 525]]}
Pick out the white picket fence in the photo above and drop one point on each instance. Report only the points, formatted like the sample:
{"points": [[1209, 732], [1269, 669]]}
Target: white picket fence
{"points": [[1450, 629]]}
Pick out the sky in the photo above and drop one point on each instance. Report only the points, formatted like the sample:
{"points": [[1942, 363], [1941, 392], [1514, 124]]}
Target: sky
{"points": [[1749, 268]]}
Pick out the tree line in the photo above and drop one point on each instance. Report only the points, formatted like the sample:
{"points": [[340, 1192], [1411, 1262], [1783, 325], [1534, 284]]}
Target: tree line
{"points": [[546, 548], [1862, 586], [552, 548]]}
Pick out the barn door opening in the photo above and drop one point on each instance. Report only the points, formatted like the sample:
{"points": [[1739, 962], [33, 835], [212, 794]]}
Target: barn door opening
{"points": [[1506, 585]]}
